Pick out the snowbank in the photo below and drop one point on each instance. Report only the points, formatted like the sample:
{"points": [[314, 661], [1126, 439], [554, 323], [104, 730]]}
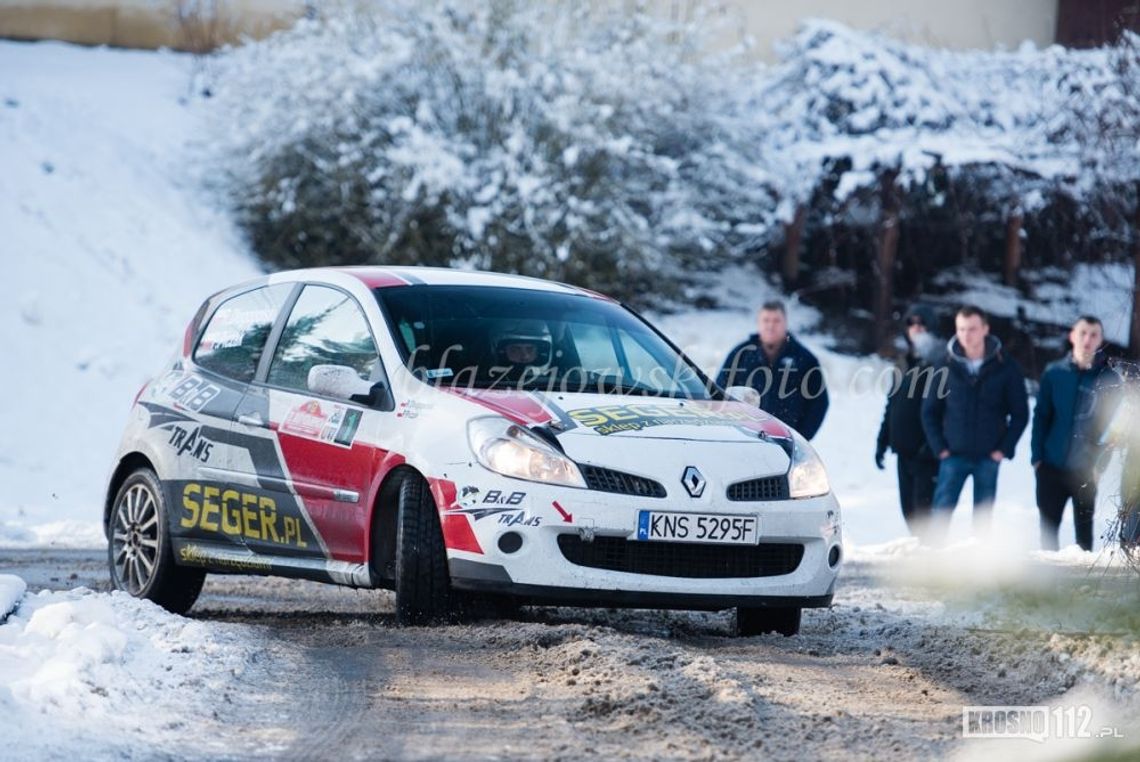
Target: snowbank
{"points": [[81, 672], [11, 591], [107, 250]]}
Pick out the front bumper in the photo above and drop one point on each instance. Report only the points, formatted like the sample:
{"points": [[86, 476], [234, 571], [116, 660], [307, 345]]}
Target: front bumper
{"points": [[537, 570]]}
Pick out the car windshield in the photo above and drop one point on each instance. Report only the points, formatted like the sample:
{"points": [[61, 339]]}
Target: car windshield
{"points": [[482, 337]]}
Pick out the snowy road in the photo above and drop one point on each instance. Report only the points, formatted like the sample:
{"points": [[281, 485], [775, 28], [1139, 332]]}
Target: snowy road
{"points": [[333, 677]]}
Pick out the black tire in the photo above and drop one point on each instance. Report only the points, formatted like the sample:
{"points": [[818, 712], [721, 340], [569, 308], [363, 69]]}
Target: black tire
{"points": [[139, 551], [423, 583], [759, 621]]}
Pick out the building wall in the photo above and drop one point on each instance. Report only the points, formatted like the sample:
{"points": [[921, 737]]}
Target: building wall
{"points": [[145, 23], [955, 24], [152, 23]]}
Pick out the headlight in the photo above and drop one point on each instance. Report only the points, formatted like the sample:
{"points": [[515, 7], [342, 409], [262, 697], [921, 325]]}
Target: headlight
{"points": [[807, 476], [511, 450]]}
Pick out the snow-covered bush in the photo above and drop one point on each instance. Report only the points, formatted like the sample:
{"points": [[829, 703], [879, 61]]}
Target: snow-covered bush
{"points": [[602, 147]]}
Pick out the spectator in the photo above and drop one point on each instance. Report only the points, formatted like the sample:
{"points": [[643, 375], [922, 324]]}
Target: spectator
{"points": [[975, 418], [902, 421], [1074, 406], [783, 371]]}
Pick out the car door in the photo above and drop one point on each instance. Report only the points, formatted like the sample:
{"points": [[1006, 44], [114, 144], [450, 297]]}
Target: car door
{"points": [[193, 408], [322, 470]]}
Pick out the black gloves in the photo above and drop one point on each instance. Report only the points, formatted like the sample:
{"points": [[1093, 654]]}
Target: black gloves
{"points": [[879, 456]]}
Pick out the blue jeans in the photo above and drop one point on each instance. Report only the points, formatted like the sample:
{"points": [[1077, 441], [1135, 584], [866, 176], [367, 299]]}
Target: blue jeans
{"points": [[952, 475]]}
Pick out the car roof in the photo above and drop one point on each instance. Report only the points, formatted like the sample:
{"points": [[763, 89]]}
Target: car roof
{"points": [[387, 277]]}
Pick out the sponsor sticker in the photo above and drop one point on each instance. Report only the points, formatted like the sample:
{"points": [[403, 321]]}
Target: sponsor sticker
{"points": [[190, 441], [611, 419], [221, 510], [411, 409], [635, 416], [503, 498], [323, 421], [519, 518], [193, 393], [197, 555]]}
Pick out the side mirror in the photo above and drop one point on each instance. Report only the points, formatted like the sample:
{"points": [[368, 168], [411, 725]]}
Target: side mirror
{"points": [[339, 381], [744, 394]]}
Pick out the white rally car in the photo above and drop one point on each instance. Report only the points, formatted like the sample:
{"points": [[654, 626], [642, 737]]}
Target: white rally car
{"points": [[460, 437]]}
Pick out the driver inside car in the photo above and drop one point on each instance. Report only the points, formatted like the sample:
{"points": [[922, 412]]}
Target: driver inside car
{"points": [[523, 350]]}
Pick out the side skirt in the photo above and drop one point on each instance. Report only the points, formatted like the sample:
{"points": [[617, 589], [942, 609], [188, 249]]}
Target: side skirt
{"points": [[228, 559]]}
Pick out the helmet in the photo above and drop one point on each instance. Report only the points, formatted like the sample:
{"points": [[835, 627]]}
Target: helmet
{"points": [[522, 343]]}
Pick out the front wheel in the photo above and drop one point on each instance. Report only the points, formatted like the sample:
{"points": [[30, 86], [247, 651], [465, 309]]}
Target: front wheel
{"points": [[423, 583], [139, 551], [758, 621]]}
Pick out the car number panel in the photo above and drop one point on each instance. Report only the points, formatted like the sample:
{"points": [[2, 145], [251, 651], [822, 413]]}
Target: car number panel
{"points": [[663, 526]]}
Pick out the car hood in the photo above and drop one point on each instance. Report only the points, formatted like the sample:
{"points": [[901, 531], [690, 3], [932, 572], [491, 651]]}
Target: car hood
{"points": [[623, 417]]}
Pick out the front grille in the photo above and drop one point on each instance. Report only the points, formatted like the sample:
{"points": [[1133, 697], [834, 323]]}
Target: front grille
{"points": [[753, 490], [682, 559], [608, 480]]}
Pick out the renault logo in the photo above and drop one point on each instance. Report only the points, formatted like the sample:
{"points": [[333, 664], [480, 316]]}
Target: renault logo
{"points": [[693, 481]]}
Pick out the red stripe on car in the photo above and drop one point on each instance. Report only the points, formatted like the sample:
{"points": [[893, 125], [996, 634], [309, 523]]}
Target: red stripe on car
{"points": [[375, 278], [519, 407], [457, 531]]}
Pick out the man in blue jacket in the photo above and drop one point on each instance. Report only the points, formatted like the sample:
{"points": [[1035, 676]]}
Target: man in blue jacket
{"points": [[976, 418], [783, 371], [1074, 406]]}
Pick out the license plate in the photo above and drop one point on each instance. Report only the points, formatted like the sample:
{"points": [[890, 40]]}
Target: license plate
{"points": [[698, 527]]}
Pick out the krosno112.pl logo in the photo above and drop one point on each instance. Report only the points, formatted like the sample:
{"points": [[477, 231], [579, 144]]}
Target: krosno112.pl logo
{"points": [[1035, 723]]}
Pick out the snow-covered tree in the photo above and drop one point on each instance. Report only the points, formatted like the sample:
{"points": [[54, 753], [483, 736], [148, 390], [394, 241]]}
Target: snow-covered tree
{"points": [[977, 155]]}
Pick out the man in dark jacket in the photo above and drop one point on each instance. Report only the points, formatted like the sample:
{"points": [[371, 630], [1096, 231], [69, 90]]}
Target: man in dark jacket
{"points": [[1074, 406], [902, 421], [977, 417], [783, 371]]}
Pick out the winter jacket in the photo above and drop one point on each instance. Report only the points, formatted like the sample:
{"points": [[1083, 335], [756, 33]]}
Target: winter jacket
{"points": [[976, 414], [1074, 407], [902, 420], [791, 388]]}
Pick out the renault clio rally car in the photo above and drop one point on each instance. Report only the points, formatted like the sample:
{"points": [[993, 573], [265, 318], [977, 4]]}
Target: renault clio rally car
{"points": [[458, 436]]}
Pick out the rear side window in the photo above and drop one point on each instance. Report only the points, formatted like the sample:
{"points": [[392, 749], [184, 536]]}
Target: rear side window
{"points": [[235, 337], [326, 327]]}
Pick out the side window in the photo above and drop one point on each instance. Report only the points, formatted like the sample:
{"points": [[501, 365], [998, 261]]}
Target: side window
{"points": [[325, 327], [235, 337]]}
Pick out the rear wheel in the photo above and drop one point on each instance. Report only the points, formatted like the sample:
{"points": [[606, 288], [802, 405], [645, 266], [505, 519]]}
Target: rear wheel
{"points": [[759, 621], [423, 584], [139, 551]]}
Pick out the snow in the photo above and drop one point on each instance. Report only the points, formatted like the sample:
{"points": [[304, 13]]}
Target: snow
{"points": [[79, 670], [1104, 290], [107, 249], [11, 591]]}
